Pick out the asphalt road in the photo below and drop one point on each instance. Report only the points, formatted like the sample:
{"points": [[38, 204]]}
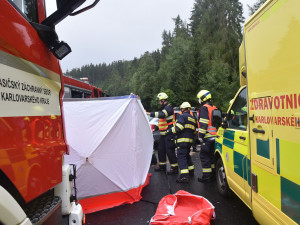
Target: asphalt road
{"points": [[229, 211]]}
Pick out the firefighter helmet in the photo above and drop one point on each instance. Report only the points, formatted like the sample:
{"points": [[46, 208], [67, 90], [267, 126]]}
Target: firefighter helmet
{"points": [[162, 96], [203, 96], [185, 105]]}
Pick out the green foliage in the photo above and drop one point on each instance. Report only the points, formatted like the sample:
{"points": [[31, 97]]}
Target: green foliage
{"points": [[216, 81], [216, 28], [255, 7], [195, 56], [143, 81]]}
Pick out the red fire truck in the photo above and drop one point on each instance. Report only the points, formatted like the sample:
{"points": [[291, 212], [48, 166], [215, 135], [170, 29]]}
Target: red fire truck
{"points": [[75, 88], [35, 185]]}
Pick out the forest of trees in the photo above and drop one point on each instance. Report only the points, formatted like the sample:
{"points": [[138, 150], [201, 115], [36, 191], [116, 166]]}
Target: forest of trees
{"points": [[200, 55]]}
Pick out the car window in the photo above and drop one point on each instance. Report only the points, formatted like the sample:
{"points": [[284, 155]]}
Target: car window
{"points": [[238, 112]]}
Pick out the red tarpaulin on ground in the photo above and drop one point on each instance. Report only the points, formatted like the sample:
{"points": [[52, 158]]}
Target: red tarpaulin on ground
{"points": [[90, 205], [183, 208]]}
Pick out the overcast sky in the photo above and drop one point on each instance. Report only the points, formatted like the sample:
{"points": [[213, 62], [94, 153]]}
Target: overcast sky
{"points": [[121, 29]]}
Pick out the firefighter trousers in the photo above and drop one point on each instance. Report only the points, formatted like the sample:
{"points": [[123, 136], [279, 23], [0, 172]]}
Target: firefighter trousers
{"points": [[166, 147], [207, 157], [184, 160]]}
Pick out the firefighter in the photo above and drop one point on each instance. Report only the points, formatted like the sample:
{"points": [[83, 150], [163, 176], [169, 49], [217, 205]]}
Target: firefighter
{"points": [[166, 142], [194, 145], [185, 129], [207, 134]]}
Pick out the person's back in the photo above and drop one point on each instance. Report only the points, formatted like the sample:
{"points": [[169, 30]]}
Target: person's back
{"points": [[189, 131], [166, 144], [185, 129], [207, 134]]}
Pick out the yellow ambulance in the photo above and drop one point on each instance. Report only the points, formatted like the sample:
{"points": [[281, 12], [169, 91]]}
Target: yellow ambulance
{"points": [[258, 146]]}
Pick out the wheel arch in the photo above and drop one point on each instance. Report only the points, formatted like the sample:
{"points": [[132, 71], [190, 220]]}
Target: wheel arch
{"points": [[7, 184]]}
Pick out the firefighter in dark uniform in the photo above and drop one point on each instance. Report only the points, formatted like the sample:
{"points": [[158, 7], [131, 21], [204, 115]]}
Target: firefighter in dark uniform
{"points": [[166, 142], [185, 129], [207, 134]]}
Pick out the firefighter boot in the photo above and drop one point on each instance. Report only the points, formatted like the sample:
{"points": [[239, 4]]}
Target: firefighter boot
{"points": [[173, 170], [183, 178], [191, 173], [160, 168]]}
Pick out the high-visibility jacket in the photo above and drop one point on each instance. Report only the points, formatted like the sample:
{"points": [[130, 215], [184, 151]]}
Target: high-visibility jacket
{"points": [[167, 118], [185, 128], [206, 130]]}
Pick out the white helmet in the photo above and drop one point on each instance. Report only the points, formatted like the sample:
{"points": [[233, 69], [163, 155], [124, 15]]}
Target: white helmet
{"points": [[162, 96], [185, 105], [203, 96]]}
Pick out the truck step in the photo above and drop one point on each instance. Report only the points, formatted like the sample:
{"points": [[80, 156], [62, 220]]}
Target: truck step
{"points": [[44, 209]]}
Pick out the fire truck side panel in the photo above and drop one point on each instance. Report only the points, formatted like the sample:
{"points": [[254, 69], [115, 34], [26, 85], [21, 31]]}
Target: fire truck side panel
{"points": [[22, 39], [31, 134]]}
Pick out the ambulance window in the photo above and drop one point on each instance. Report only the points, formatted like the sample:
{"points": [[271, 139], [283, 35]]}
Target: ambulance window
{"points": [[238, 112], [29, 8]]}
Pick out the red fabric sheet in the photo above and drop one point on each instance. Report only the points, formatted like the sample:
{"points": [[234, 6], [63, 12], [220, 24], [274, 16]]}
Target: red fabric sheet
{"points": [[94, 204], [183, 208]]}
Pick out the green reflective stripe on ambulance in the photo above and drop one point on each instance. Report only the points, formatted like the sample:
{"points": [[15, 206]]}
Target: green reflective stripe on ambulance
{"points": [[228, 143], [229, 134], [290, 199], [249, 171], [238, 163], [278, 156], [218, 146], [242, 166], [263, 148]]}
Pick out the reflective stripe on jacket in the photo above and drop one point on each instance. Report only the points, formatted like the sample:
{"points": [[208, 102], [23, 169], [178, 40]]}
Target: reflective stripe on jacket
{"points": [[167, 118], [185, 128], [206, 130]]}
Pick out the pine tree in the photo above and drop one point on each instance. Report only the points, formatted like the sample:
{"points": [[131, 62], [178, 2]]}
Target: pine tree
{"points": [[216, 29], [255, 7]]}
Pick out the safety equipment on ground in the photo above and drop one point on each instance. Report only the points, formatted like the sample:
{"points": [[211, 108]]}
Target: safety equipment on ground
{"points": [[185, 105], [177, 208], [203, 96], [162, 96]]}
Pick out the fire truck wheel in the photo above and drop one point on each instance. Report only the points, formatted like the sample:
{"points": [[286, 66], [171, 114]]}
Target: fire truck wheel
{"points": [[221, 179]]}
